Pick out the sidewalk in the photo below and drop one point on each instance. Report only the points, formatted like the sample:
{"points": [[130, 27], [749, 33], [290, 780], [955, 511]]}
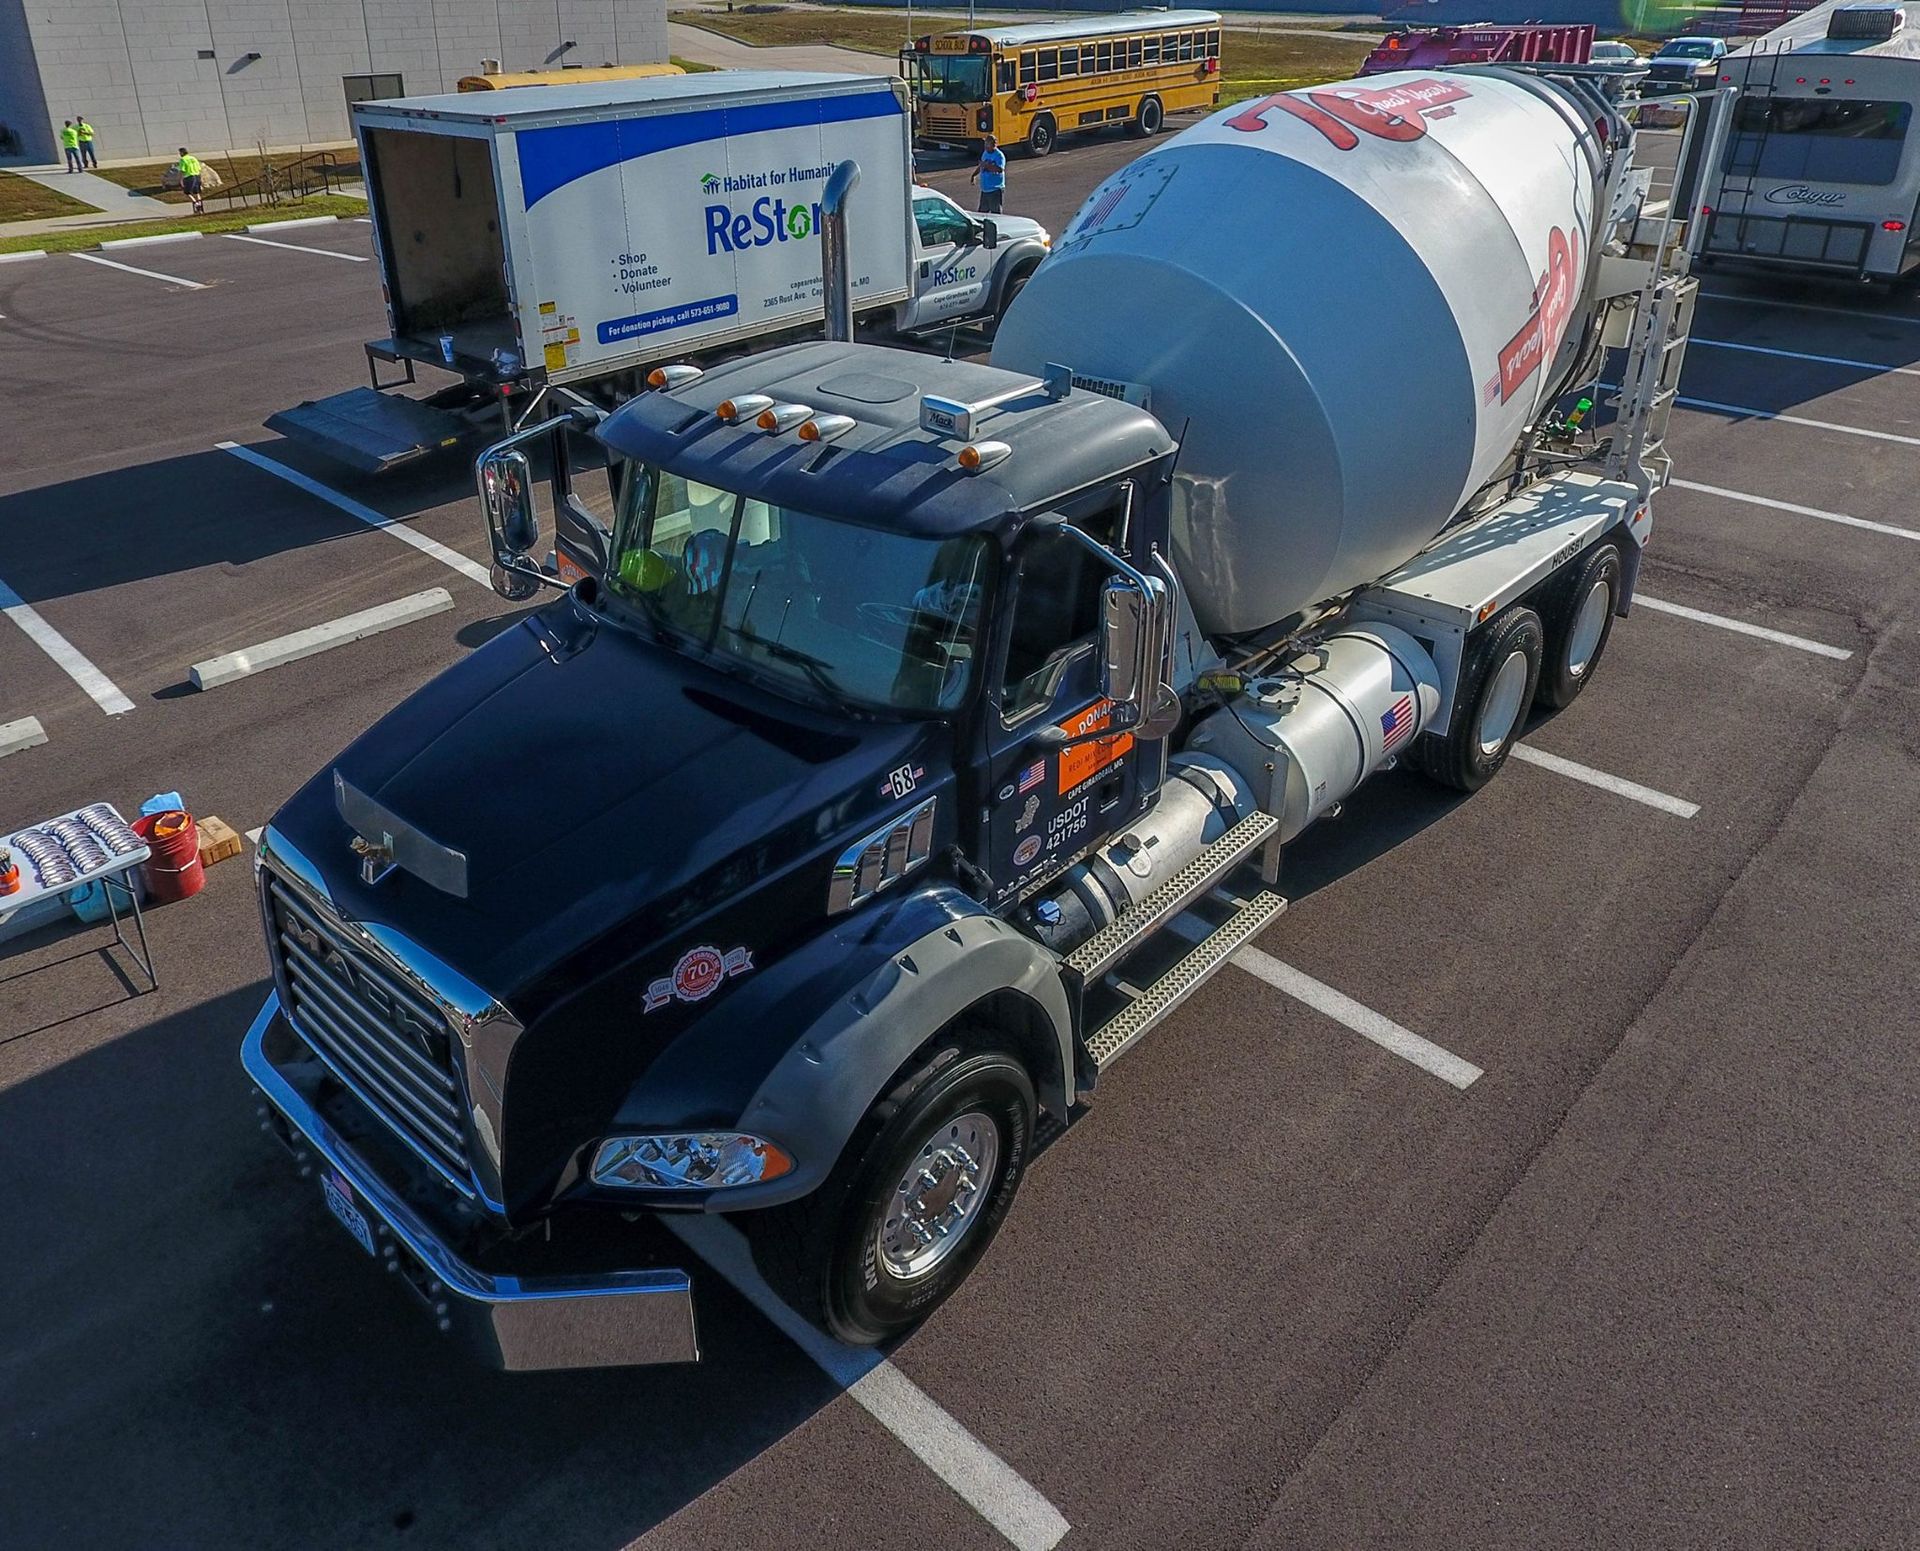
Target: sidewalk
{"points": [[117, 203], [723, 53]]}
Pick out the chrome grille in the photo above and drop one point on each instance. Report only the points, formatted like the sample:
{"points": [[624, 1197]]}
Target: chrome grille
{"points": [[377, 1033]]}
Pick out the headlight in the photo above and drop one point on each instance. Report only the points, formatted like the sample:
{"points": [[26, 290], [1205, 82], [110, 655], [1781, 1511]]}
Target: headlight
{"points": [[702, 1160]]}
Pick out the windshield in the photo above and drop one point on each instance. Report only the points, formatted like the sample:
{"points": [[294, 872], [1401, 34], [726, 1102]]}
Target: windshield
{"points": [[1687, 49], [950, 77], [853, 615]]}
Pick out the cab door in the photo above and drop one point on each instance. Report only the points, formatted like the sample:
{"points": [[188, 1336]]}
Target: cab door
{"points": [[1052, 791], [952, 267]]}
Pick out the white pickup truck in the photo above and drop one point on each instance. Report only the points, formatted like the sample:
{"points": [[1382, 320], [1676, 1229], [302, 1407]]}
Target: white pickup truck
{"points": [[577, 235]]}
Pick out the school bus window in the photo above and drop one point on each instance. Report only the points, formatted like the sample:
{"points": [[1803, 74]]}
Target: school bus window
{"points": [[1006, 75], [1103, 56], [1150, 50], [1069, 63], [1133, 53], [1186, 45], [1027, 75], [1049, 64], [1213, 45]]}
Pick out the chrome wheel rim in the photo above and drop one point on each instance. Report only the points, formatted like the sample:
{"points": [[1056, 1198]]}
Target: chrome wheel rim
{"points": [[1587, 625], [1501, 709], [940, 1197]]}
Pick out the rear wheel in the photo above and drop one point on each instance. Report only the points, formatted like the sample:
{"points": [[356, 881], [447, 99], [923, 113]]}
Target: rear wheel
{"points": [[1579, 620], [1147, 121], [1497, 680], [1040, 137], [912, 1204]]}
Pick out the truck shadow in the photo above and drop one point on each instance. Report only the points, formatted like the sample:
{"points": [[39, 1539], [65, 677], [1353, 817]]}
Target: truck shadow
{"points": [[196, 1356]]}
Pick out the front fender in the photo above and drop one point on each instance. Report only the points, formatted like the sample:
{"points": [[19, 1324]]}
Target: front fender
{"points": [[848, 1054], [1019, 257]]}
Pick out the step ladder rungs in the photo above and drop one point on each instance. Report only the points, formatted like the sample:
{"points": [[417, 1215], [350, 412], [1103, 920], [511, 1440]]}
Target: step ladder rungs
{"points": [[1157, 1001], [1114, 941]]}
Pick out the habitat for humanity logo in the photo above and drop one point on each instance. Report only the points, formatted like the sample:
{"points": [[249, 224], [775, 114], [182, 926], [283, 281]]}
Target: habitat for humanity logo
{"points": [[770, 218], [709, 184]]}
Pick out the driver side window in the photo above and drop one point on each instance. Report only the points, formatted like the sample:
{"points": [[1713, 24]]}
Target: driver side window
{"points": [[940, 223], [1056, 611]]}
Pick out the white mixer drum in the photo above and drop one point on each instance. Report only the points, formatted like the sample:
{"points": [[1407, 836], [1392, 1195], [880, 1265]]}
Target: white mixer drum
{"points": [[1346, 303]]}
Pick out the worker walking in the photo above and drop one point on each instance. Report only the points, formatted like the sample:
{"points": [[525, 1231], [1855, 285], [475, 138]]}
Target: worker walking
{"points": [[189, 169], [991, 173], [85, 131], [70, 143]]}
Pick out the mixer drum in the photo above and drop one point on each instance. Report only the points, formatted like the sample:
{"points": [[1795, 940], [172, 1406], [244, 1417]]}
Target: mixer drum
{"points": [[1345, 302]]}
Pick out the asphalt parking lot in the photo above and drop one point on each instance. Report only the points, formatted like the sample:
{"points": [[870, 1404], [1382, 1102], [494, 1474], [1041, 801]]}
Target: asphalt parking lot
{"points": [[1547, 1178]]}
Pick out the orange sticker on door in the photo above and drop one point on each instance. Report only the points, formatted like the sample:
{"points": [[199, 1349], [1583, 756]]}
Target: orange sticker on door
{"points": [[1081, 763]]}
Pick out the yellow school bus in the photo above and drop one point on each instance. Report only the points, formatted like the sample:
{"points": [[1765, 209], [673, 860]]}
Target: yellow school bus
{"points": [[1031, 84], [500, 79]]}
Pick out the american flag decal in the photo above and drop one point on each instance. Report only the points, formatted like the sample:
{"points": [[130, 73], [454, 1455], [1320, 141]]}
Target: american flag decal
{"points": [[1396, 722], [1102, 209], [1033, 775]]}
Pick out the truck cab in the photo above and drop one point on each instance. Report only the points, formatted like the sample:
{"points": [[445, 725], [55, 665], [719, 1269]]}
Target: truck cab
{"points": [[966, 268]]}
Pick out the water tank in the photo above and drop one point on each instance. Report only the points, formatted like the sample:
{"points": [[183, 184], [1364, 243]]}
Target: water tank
{"points": [[1345, 303]]}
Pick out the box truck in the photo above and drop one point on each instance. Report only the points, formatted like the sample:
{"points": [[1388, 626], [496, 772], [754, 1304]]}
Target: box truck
{"points": [[928, 731], [576, 233]]}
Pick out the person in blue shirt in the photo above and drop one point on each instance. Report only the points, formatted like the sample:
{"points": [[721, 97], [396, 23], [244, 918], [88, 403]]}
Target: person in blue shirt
{"points": [[991, 172]]}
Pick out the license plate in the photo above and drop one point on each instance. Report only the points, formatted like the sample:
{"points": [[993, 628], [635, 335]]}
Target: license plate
{"points": [[338, 1190]]}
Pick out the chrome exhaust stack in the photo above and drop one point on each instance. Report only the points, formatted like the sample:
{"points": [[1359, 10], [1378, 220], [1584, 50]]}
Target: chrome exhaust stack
{"points": [[836, 272]]}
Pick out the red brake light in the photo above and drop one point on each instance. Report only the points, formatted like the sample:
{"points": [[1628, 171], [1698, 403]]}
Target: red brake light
{"points": [[1893, 226], [1799, 80]]}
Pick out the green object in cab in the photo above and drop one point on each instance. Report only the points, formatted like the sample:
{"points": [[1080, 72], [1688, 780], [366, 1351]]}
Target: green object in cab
{"points": [[645, 570]]}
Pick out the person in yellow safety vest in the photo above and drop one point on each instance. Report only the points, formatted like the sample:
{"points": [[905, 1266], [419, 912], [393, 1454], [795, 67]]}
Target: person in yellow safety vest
{"points": [[88, 157], [70, 143], [189, 169]]}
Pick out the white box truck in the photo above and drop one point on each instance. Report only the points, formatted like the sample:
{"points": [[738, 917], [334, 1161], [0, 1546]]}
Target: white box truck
{"points": [[576, 234]]}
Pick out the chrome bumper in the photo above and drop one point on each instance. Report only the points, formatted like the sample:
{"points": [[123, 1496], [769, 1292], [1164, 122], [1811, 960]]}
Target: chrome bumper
{"points": [[607, 1320]]}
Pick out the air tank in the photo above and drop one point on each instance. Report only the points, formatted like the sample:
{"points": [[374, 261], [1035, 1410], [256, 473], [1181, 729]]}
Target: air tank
{"points": [[1346, 303]]}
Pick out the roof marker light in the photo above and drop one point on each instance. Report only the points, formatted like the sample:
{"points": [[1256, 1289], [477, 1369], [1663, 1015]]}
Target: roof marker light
{"points": [[1893, 226], [783, 417], [824, 428], [978, 457], [671, 377], [745, 407]]}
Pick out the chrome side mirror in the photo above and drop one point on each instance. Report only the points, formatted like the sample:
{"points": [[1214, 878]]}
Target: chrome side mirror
{"points": [[506, 485], [1126, 663]]}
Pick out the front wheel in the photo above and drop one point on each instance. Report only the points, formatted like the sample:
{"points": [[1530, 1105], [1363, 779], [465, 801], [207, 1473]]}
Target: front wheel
{"points": [[913, 1203]]}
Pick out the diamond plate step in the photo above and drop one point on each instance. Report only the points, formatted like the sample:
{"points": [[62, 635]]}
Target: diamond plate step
{"points": [[1134, 925], [1108, 1042]]}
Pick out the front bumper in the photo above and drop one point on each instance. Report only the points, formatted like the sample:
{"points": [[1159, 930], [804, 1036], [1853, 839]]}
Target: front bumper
{"points": [[601, 1319]]}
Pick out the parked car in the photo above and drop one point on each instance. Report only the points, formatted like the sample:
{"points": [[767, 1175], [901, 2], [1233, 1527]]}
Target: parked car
{"points": [[1683, 65]]}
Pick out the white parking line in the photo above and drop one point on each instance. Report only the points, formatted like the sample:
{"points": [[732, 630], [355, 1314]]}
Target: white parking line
{"points": [[102, 690], [979, 1477], [1748, 412], [151, 274], [27, 733], [1620, 786], [1740, 627], [447, 557], [1364, 1021], [294, 247], [1798, 510], [1843, 312], [1800, 355], [229, 666]]}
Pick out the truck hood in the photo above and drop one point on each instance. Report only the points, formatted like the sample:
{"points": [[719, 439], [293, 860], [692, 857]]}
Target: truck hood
{"points": [[608, 795], [1017, 228]]}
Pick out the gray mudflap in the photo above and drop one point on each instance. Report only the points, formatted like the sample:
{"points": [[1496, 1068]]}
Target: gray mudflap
{"points": [[369, 431]]}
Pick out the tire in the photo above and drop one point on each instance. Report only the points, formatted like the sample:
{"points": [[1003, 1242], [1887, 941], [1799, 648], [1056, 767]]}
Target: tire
{"points": [[1041, 136], [842, 1257], [1014, 287], [1146, 123], [1578, 615], [1497, 682]]}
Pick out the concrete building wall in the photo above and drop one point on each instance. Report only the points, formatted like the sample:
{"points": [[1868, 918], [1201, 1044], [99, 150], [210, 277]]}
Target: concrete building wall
{"points": [[153, 75]]}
